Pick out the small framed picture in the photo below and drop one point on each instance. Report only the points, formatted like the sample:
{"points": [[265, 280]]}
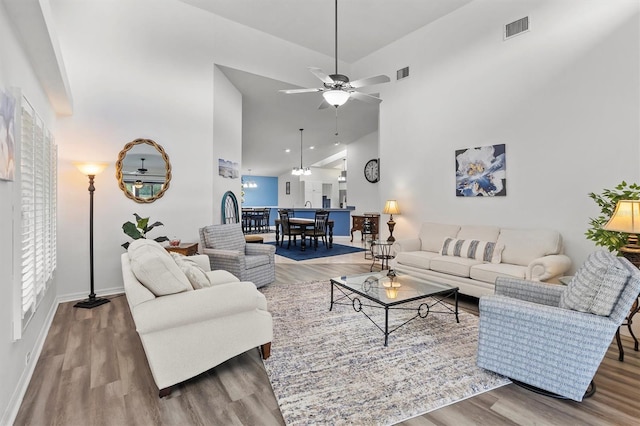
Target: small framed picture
{"points": [[287, 187]]}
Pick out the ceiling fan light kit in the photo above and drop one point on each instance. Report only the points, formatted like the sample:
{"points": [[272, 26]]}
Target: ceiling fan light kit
{"points": [[336, 97]]}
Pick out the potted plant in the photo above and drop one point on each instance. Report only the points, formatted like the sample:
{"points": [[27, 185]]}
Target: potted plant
{"points": [[140, 229], [607, 201]]}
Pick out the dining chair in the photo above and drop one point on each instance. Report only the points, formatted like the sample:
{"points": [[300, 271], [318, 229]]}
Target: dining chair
{"points": [[288, 229], [264, 220], [320, 228]]}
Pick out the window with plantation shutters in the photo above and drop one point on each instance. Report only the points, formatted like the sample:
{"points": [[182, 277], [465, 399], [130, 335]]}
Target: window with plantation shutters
{"points": [[38, 186]]}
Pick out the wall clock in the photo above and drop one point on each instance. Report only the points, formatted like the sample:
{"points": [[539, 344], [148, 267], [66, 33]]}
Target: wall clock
{"points": [[372, 171]]}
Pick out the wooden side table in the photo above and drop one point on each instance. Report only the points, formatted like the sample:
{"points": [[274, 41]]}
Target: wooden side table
{"points": [[186, 249], [372, 221]]}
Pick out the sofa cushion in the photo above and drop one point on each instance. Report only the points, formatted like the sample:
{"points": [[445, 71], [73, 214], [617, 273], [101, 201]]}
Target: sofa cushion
{"points": [[432, 234], [458, 266], [521, 246], [597, 284], [194, 273], [488, 272], [220, 276], [418, 259], [484, 251], [225, 237], [154, 267], [475, 232]]}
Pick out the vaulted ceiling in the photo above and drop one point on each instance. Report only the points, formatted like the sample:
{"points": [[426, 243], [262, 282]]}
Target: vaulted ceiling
{"points": [[270, 119]]}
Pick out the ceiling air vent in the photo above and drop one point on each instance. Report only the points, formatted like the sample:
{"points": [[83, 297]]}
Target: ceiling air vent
{"points": [[516, 27], [403, 73]]}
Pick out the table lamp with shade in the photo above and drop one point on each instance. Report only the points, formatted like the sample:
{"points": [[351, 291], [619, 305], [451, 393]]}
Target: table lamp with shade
{"points": [[391, 207], [91, 170], [626, 218]]}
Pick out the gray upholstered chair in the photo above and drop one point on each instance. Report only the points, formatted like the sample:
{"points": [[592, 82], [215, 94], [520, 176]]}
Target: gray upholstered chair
{"points": [[227, 249], [551, 337]]}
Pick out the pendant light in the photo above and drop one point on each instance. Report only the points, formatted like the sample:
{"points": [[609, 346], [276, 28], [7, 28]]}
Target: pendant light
{"points": [[249, 183], [306, 171], [343, 174]]}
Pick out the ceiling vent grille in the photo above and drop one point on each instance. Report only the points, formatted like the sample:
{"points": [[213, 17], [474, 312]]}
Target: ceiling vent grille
{"points": [[516, 27], [402, 73]]}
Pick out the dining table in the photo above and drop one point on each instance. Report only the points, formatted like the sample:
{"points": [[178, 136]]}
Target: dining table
{"points": [[304, 224]]}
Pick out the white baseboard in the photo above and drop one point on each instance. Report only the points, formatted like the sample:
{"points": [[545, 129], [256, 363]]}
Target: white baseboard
{"points": [[80, 296]]}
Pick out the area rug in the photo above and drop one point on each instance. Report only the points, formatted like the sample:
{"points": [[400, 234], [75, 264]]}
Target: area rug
{"points": [[332, 368], [310, 253]]}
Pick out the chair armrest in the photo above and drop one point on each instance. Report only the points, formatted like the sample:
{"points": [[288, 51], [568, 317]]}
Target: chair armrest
{"points": [[196, 306], [407, 244], [229, 260], [531, 291], [257, 249], [223, 254], [548, 320], [547, 267], [202, 260]]}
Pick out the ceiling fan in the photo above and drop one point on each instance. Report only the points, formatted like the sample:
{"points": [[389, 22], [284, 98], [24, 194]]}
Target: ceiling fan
{"points": [[337, 88], [141, 171]]}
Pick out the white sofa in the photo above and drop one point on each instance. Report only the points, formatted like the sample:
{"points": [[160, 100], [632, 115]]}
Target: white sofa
{"points": [[531, 254], [184, 331]]}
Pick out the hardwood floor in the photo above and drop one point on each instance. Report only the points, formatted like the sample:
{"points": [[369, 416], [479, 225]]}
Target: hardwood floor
{"points": [[93, 371]]}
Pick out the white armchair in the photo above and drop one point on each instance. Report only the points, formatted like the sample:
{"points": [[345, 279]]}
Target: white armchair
{"points": [[184, 331]]}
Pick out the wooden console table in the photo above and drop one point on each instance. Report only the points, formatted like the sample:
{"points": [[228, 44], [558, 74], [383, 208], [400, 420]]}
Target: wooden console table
{"points": [[186, 249], [358, 224]]}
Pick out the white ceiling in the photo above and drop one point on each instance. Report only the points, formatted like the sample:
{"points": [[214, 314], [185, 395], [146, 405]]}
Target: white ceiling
{"points": [[270, 119]]}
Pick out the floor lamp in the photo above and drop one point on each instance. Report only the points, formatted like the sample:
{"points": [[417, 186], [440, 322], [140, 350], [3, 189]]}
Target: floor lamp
{"points": [[91, 170]]}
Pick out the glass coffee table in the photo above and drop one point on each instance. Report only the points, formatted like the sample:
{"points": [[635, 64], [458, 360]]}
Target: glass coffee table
{"points": [[392, 291]]}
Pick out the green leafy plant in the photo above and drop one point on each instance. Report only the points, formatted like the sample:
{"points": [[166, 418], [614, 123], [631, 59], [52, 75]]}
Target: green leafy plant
{"points": [[607, 201], [140, 229]]}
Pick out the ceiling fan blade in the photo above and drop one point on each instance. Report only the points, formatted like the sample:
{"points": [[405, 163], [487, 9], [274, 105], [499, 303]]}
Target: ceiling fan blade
{"points": [[322, 75], [290, 91], [370, 81], [366, 98]]}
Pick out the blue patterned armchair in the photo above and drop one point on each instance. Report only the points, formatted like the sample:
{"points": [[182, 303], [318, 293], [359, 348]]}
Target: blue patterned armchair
{"points": [[228, 250], [553, 337]]}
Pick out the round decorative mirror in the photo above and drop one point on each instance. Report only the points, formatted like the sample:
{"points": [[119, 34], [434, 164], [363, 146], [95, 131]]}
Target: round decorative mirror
{"points": [[143, 171]]}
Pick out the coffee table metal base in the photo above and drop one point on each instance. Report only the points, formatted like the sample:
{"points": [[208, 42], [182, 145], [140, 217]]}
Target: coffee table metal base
{"points": [[422, 311]]}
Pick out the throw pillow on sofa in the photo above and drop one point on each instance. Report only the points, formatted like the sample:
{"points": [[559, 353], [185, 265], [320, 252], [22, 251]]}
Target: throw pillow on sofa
{"points": [[195, 274], [154, 267], [596, 286], [484, 251]]}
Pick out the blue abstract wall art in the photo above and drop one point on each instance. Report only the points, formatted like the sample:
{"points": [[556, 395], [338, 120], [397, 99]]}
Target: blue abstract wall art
{"points": [[481, 171]]}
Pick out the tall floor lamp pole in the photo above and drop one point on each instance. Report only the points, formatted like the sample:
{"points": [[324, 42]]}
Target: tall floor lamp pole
{"points": [[91, 170]]}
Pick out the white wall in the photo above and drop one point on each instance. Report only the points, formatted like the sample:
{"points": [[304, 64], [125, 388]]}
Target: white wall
{"points": [[16, 71], [564, 98], [227, 139], [161, 84], [361, 193]]}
